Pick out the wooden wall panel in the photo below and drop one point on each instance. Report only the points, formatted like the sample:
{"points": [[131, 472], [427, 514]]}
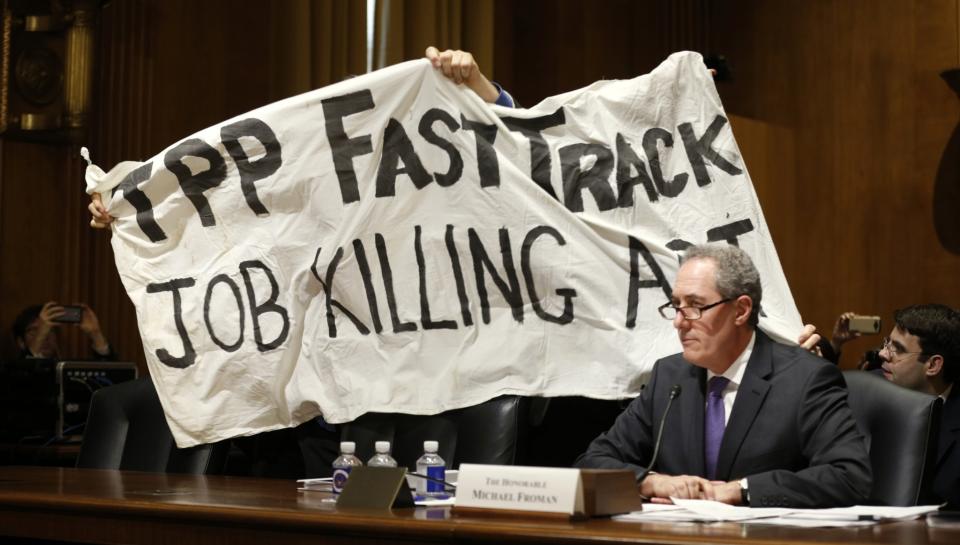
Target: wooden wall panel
{"points": [[856, 85], [546, 47], [165, 69], [838, 109], [173, 67], [120, 131], [32, 223]]}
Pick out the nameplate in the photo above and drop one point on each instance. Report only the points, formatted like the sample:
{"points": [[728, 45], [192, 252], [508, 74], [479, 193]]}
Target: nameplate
{"points": [[520, 488]]}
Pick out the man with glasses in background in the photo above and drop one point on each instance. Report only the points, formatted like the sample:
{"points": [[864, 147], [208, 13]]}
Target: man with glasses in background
{"points": [[755, 422], [923, 353]]}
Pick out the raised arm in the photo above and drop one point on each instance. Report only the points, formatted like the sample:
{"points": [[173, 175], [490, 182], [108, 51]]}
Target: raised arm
{"points": [[461, 68]]}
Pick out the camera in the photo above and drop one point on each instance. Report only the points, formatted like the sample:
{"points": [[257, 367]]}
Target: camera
{"points": [[72, 314], [864, 324]]}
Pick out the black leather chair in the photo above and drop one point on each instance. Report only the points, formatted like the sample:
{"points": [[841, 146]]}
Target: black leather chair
{"points": [[488, 433], [126, 429], [901, 427]]}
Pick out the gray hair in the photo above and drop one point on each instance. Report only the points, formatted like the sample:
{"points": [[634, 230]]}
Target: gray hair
{"points": [[736, 274]]}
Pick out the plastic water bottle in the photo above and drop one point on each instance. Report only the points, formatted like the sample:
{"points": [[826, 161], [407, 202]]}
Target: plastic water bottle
{"points": [[382, 458], [343, 464], [433, 466]]}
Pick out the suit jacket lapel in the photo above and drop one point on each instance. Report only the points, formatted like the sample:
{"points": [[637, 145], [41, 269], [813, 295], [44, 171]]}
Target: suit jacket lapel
{"points": [[949, 425], [750, 395], [691, 402]]}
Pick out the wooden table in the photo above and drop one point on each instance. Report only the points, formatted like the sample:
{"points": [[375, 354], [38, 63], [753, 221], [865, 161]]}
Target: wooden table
{"points": [[96, 506]]}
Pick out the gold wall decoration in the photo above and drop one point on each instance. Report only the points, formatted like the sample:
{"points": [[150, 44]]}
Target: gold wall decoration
{"points": [[46, 68]]}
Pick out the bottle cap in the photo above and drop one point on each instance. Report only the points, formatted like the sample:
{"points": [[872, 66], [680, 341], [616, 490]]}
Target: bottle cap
{"points": [[382, 447], [430, 446], [348, 447]]}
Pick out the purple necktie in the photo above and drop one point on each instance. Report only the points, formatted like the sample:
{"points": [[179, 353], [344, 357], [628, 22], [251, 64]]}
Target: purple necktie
{"points": [[713, 424]]}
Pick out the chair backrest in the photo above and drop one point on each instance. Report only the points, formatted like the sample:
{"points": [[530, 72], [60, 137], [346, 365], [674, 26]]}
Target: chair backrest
{"points": [[488, 433], [901, 429], [126, 429]]}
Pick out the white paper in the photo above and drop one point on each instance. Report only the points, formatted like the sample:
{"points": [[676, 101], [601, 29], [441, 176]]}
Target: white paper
{"points": [[717, 511], [811, 523], [436, 502], [864, 513], [319, 484], [711, 511]]}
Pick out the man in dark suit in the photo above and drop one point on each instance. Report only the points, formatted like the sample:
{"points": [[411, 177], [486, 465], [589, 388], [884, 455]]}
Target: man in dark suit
{"points": [[923, 353], [755, 422]]}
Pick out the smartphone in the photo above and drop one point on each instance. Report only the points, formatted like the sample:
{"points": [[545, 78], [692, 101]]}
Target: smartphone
{"points": [[72, 314], [865, 324]]}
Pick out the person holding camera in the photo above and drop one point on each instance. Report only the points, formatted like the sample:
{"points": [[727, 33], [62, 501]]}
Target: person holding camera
{"points": [[849, 326], [922, 353], [35, 330], [842, 333]]}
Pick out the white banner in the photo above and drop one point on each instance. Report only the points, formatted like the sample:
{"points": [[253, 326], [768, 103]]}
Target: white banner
{"points": [[392, 243]]}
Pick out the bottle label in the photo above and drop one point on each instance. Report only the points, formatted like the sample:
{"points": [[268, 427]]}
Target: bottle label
{"points": [[439, 473], [340, 476]]}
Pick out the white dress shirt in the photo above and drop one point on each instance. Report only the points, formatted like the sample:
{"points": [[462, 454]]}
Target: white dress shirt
{"points": [[734, 374]]}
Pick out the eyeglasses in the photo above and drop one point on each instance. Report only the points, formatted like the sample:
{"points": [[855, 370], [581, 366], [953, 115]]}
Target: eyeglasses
{"points": [[669, 311], [894, 350]]}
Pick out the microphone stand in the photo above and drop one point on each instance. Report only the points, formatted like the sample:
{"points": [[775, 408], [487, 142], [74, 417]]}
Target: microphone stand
{"points": [[674, 393]]}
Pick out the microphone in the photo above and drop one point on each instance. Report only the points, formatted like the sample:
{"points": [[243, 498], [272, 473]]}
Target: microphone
{"points": [[674, 394]]}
